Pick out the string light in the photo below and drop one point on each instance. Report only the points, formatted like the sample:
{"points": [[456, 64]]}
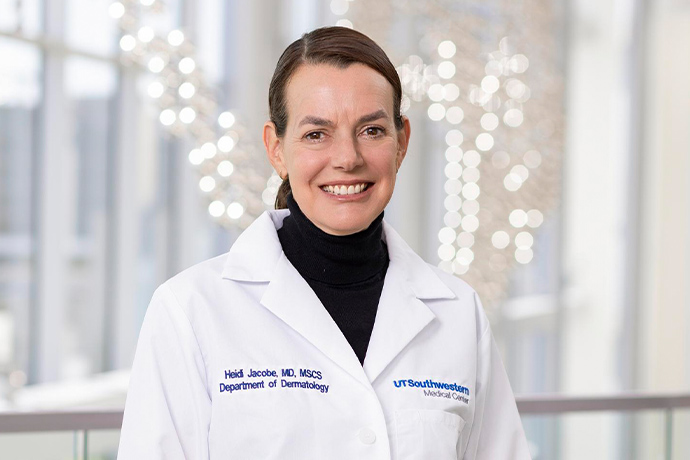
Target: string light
{"points": [[441, 85], [168, 117], [175, 37], [145, 34], [501, 95], [216, 208], [226, 143], [209, 150], [344, 23], [436, 112], [235, 210], [207, 183], [446, 69], [187, 109], [339, 7], [128, 42], [156, 89], [187, 115], [455, 115], [446, 49], [187, 65], [116, 10], [452, 92], [196, 157], [226, 120], [186, 90], [156, 64], [225, 168]]}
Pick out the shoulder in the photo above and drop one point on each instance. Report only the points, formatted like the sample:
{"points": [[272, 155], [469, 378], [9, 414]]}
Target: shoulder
{"points": [[207, 270], [467, 299], [460, 287], [433, 285], [187, 290]]}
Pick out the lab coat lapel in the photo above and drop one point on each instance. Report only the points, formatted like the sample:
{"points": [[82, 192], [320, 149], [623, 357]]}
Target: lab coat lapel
{"points": [[292, 300], [400, 317], [401, 314], [257, 256]]}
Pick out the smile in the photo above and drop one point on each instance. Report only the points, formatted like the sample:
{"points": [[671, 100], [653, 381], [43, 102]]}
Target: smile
{"points": [[345, 189]]}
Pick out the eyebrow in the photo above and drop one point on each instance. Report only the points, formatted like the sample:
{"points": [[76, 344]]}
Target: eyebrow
{"points": [[312, 120]]}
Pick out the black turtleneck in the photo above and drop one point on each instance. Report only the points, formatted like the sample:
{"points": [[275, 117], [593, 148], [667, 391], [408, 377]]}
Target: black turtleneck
{"points": [[346, 272]]}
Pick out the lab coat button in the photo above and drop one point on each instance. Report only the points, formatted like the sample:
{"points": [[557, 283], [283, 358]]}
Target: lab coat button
{"points": [[367, 436]]}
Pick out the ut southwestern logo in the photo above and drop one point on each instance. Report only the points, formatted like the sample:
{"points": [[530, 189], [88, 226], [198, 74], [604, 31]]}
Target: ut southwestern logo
{"points": [[433, 388]]}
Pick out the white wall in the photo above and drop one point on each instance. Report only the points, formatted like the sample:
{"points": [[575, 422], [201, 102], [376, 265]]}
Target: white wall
{"points": [[596, 180], [665, 264]]}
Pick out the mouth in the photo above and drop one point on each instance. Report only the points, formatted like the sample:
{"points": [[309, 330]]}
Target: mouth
{"points": [[352, 189]]}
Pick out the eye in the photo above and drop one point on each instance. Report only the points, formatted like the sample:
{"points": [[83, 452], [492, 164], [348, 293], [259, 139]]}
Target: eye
{"points": [[314, 135], [374, 131]]}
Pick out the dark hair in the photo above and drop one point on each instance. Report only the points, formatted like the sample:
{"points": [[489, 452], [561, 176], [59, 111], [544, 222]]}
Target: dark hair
{"points": [[337, 46]]}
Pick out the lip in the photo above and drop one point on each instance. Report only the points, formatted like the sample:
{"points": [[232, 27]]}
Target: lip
{"points": [[355, 197], [347, 182]]}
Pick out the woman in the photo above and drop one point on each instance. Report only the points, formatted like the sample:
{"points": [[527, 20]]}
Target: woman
{"points": [[321, 334]]}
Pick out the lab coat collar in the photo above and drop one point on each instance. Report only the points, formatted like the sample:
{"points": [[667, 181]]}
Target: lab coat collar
{"points": [[257, 256], [256, 252]]}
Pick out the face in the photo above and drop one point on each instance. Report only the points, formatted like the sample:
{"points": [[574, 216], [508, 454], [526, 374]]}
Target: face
{"points": [[340, 149]]}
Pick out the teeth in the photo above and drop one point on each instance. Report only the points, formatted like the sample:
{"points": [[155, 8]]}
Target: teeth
{"points": [[345, 190]]}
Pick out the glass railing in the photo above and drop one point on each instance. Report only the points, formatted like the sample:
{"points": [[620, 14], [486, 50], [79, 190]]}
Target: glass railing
{"points": [[630, 427], [60, 435], [625, 426]]}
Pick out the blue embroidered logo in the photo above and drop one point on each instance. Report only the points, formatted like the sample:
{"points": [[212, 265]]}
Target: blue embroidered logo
{"points": [[433, 388]]}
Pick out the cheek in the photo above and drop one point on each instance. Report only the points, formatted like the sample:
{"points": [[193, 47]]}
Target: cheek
{"points": [[303, 166], [384, 162]]}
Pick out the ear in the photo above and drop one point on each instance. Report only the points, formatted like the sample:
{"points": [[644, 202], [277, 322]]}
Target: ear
{"points": [[274, 149], [403, 141]]}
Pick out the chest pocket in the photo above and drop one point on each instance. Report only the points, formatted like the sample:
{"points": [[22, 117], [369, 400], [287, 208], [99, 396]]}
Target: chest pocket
{"points": [[427, 434]]}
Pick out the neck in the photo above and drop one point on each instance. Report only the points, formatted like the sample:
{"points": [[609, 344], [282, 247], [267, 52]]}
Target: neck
{"points": [[332, 259]]}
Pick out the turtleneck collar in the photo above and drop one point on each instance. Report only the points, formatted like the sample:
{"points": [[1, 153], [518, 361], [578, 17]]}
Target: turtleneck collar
{"points": [[332, 259]]}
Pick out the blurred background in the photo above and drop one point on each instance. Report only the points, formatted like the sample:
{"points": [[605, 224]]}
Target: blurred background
{"points": [[548, 167]]}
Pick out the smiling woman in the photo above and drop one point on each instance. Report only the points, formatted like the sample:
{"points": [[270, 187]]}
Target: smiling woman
{"points": [[340, 148], [365, 350]]}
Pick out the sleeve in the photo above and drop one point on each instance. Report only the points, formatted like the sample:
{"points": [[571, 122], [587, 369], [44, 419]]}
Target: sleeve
{"points": [[168, 408], [496, 432]]}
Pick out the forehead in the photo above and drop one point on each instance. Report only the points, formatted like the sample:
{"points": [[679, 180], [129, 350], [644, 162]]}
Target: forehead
{"points": [[324, 89]]}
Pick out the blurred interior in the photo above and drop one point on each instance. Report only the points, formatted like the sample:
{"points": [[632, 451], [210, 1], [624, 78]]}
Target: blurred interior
{"points": [[548, 167]]}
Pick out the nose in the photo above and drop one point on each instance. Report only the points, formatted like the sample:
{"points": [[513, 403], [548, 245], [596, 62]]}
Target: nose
{"points": [[346, 154]]}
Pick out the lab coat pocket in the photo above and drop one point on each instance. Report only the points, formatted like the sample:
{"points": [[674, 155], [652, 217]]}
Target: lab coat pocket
{"points": [[427, 434]]}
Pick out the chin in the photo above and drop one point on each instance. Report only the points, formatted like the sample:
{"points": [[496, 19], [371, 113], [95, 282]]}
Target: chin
{"points": [[350, 226]]}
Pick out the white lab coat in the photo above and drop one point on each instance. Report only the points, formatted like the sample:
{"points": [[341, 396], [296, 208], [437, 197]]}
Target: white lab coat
{"points": [[432, 385]]}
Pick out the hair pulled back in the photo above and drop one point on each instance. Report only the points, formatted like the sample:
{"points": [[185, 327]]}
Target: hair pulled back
{"points": [[336, 46]]}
